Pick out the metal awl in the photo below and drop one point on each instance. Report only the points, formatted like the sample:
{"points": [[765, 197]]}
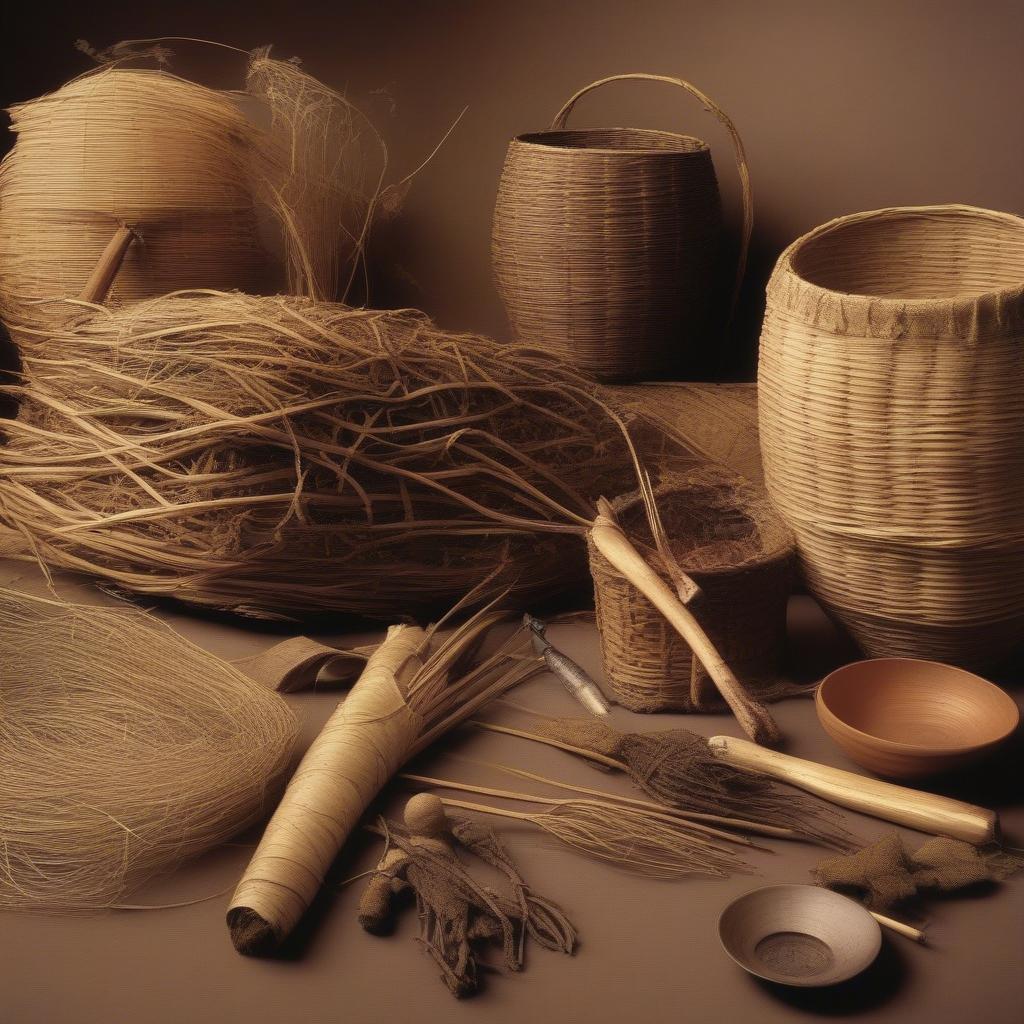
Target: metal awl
{"points": [[572, 677]]}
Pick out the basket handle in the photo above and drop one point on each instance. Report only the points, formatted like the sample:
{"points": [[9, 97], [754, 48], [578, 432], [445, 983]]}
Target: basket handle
{"points": [[737, 144]]}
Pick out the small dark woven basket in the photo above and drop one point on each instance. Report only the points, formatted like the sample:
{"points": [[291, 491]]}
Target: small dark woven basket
{"points": [[606, 242], [725, 535]]}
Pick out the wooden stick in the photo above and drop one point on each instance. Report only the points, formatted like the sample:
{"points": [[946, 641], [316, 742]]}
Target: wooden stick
{"points": [[680, 818], [926, 812], [608, 538], [109, 263], [591, 755], [914, 934]]}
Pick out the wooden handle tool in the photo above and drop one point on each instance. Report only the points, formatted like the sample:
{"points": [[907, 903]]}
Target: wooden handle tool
{"points": [[608, 538], [927, 812]]}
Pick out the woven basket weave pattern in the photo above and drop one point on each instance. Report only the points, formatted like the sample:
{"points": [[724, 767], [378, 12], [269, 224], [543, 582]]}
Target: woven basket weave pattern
{"points": [[727, 538], [892, 426], [604, 256], [606, 243]]}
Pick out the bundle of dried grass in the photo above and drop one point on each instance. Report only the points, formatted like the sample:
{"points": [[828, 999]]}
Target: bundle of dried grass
{"points": [[125, 749], [214, 196], [272, 455], [679, 770], [638, 839]]}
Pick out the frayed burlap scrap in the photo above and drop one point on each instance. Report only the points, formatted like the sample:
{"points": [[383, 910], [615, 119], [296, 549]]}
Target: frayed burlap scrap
{"points": [[458, 914], [884, 873]]}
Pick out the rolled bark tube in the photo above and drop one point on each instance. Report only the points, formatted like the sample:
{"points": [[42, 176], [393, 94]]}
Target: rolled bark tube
{"points": [[754, 718], [927, 812], [366, 740]]}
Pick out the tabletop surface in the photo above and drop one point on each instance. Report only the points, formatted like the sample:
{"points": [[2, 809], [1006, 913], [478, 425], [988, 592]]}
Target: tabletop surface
{"points": [[648, 950]]}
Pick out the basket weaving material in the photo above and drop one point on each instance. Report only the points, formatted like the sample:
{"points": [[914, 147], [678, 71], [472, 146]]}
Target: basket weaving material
{"points": [[272, 456], [717, 422], [726, 536], [605, 241], [214, 197], [892, 425]]}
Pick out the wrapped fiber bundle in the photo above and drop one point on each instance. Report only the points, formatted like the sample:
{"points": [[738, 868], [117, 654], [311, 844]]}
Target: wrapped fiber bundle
{"points": [[273, 455], [271, 186]]}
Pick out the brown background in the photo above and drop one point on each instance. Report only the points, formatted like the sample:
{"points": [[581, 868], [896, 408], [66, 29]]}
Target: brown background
{"points": [[843, 106]]}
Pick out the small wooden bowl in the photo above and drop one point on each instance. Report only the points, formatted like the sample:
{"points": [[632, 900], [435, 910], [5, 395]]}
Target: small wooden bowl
{"points": [[799, 935], [908, 719]]}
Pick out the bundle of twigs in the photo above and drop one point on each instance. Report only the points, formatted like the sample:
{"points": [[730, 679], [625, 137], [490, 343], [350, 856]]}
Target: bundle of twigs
{"points": [[274, 455], [124, 749]]}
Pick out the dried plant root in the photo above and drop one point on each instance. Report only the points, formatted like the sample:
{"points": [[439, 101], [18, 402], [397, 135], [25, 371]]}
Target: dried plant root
{"points": [[457, 914]]}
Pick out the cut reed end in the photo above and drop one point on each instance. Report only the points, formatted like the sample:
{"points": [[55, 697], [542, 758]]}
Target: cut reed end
{"points": [[250, 933]]}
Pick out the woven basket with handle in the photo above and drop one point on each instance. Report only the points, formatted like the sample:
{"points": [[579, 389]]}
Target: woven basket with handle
{"points": [[606, 241], [891, 393]]}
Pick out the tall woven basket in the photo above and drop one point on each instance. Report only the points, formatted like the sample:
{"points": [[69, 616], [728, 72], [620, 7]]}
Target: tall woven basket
{"points": [[891, 392], [725, 535], [606, 241]]}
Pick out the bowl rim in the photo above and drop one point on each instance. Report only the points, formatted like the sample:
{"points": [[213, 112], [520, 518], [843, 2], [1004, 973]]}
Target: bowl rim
{"points": [[925, 749], [797, 982]]}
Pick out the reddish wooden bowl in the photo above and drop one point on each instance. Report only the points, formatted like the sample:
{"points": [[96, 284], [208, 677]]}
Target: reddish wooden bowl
{"points": [[909, 719]]}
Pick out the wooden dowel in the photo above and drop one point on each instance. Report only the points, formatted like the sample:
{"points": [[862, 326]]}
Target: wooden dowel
{"points": [[926, 812], [590, 755], [906, 930], [109, 263]]}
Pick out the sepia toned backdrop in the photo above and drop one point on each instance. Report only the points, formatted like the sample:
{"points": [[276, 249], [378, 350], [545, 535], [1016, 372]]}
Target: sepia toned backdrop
{"points": [[843, 106]]}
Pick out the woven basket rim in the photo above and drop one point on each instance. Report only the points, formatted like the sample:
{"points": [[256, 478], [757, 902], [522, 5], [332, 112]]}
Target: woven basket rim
{"points": [[776, 542], [965, 315], [690, 144]]}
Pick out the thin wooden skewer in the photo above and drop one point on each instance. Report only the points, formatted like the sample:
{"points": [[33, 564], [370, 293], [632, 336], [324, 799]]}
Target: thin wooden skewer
{"points": [[607, 536], [504, 794], [777, 831], [593, 755], [906, 930]]}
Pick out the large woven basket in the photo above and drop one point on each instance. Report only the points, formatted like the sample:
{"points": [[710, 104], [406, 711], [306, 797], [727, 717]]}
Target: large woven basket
{"points": [[606, 242], [891, 401], [725, 535]]}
